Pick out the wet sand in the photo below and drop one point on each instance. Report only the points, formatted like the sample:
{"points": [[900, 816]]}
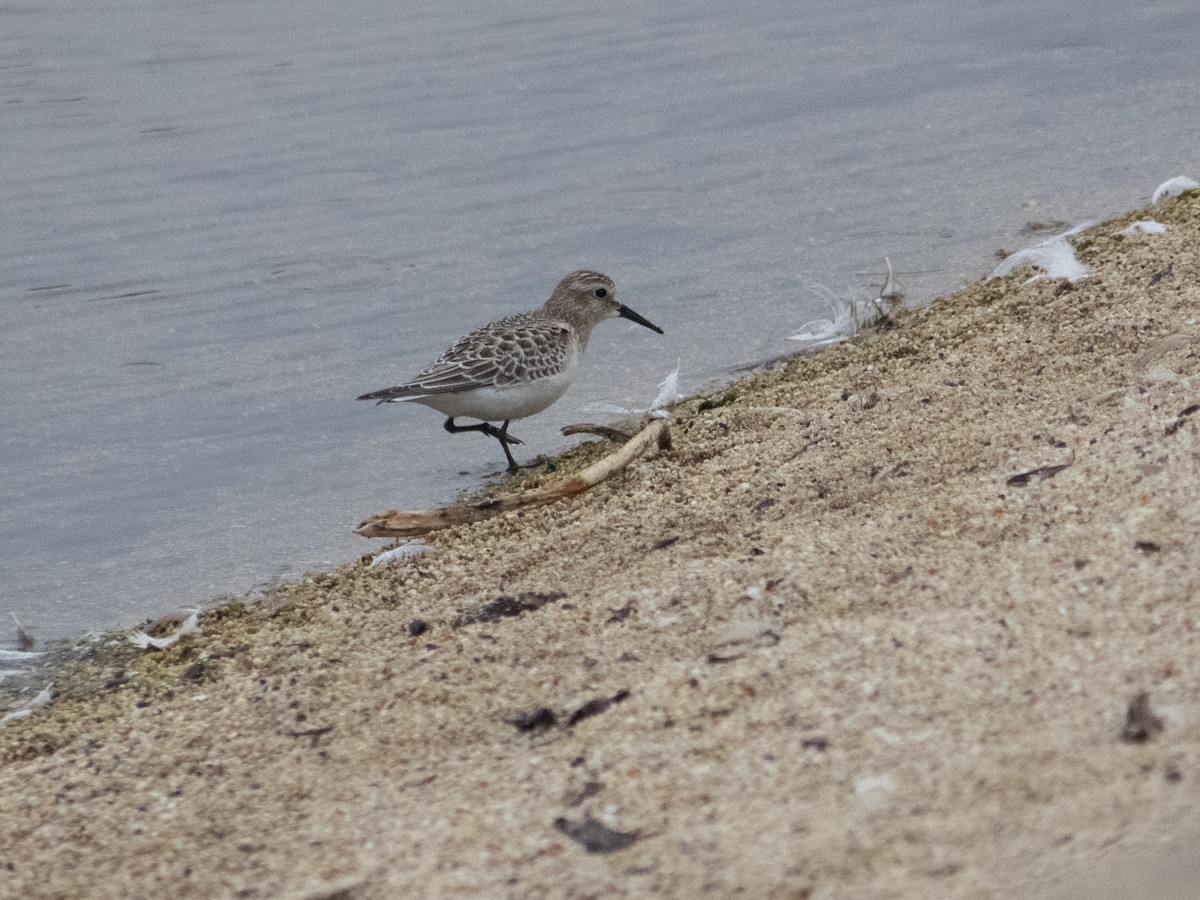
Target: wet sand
{"points": [[870, 629]]}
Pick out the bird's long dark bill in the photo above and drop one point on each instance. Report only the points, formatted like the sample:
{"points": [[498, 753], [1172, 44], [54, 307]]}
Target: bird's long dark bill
{"points": [[626, 313]]}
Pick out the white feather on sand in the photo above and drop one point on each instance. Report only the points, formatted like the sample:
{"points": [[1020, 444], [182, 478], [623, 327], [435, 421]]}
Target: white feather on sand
{"points": [[146, 642]]}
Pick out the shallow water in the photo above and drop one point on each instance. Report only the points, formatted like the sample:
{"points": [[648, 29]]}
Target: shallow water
{"points": [[222, 223]]}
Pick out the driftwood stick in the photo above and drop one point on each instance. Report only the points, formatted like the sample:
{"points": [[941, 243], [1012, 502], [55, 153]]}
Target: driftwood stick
{"points": [[616, 435], [396, 523]]}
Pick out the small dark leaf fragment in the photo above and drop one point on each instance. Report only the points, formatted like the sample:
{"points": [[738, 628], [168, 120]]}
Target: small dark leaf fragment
{"points": [[597, 706], [505, 607], [538, 720], [595, 836], [417, 627], [313, 734], [1141, 723], [1146, 546], [620, 615], [714, 659], [1160, 275], [1041, 474], [665, 543], [1182, 417]]}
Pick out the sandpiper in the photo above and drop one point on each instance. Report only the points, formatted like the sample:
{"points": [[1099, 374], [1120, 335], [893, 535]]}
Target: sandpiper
{"points": [[516, 366]]}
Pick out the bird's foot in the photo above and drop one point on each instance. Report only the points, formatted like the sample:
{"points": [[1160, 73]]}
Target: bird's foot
{"points": [[501, 435]]}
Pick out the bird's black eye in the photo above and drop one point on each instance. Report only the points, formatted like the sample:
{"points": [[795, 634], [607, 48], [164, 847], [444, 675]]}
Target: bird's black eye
{"points": [[601, 292]]}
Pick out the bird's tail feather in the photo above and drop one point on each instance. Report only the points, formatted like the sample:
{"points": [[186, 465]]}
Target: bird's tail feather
{"points": [[392, 395]]}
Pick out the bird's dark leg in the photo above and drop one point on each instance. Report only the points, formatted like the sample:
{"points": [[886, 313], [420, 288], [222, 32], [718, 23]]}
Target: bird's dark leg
{"points": [[501, 434]]}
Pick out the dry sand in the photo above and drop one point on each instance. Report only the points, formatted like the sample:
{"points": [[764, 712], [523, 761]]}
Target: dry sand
{"points": [[824, 647]]}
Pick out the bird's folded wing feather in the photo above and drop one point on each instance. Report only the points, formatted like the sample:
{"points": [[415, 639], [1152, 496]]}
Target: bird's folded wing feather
{"points": [[509, 351]]}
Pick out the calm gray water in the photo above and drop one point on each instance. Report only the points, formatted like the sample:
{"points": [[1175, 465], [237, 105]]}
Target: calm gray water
{"points": [[223, 221]]}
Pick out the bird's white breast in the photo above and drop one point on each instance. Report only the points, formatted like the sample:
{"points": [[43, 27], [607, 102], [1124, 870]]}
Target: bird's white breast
{"points": [[511, 401]]}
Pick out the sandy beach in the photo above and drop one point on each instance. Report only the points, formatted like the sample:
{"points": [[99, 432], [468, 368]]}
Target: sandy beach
{"points": [[872, 627]]}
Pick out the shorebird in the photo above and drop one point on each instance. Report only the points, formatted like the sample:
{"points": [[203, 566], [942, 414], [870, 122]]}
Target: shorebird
{"points": [[516, 366]]}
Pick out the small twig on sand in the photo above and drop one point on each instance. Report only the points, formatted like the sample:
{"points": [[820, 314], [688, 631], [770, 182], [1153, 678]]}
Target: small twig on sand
{"points": [[616, 435], [396, 523]]}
